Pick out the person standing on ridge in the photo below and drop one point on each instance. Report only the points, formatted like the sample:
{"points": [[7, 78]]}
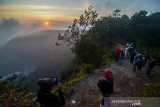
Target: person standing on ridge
{"points": [[132, 55], [117, 52], [150, 65], [121, 57], [138, 63], [105, 85]]}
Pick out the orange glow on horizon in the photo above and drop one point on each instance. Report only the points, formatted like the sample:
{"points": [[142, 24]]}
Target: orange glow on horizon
{"points": [[34, 12], [46, 23]]}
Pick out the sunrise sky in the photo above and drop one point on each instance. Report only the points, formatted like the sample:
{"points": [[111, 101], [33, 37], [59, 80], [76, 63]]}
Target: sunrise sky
{"points": [[58, 14]]}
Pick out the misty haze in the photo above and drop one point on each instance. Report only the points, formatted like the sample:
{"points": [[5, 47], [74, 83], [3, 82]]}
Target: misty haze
{"points": [[28, 54], [69, 53]]}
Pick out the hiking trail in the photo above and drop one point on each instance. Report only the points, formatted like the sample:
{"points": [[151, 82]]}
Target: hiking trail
{"points": [[86, 93]]}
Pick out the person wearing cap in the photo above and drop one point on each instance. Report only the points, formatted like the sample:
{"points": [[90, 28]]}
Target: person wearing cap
{"points": [[105, 85], [45, 97]]}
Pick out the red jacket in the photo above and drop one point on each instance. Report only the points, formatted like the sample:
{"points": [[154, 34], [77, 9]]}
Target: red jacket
{"points": [[117, 51]]}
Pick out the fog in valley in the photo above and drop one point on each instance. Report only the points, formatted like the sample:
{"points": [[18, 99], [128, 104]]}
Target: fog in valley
{"points": [[32, 52]]}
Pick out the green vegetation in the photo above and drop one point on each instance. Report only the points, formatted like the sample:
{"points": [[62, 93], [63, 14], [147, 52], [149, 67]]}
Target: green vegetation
{"points": [[153, 88], [90, 46], [73, 73], [86, 68], [73, 80], [108, 57], [12, 94], [154, 52], [92, 41]]}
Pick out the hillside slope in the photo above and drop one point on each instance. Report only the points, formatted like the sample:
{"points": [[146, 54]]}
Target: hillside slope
{"points": [[33, 52], [35, 55]]}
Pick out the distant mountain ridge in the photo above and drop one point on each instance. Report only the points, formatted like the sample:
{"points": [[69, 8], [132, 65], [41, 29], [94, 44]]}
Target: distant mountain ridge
{"points": [[32, 52]]}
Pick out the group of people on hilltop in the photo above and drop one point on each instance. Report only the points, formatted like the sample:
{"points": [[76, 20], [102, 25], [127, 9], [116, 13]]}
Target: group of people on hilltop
{"points": [[137, 59]]}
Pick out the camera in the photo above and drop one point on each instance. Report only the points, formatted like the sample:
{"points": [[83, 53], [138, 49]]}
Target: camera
{"points": [[47, 83], [56, 80]]}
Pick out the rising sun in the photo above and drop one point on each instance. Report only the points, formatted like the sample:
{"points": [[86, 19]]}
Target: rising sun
{"points": [[46, 23]]}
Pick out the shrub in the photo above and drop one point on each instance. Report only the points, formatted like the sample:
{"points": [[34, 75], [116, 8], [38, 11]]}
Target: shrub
{"points": [[107, 57], [86, 68], [153, 89], [69, 70], [12, 94]]}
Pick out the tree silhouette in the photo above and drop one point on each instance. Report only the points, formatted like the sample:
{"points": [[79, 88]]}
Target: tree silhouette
{"points": [[77, 30], [116, 13]]}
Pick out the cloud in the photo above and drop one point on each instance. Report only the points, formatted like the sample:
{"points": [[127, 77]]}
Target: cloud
{"points": [[11, 27], [129, 7], [61, 25], [8, 25], [39, 11], [67, 7]]}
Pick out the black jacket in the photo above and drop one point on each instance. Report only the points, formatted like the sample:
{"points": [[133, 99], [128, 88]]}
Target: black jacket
{"points": [[50, 100], [106, 86]]}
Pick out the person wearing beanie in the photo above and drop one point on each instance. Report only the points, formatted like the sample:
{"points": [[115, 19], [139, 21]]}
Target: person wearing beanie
{"points": [[105, 85], [45, 97]]}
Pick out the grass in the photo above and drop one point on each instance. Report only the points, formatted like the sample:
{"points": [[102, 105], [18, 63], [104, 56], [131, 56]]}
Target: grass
{"points": [[107, 58], [80, 76], [73, 73], [153, 89], [73, 80]]}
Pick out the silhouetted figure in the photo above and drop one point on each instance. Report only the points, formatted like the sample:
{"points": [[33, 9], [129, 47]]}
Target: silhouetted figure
{"points": [[135, 62], [121, 57], [150, 65], [139, 62], [132, 55], [105, 85], [146, 56], [117, 52], [45, 97], [122, 54]]}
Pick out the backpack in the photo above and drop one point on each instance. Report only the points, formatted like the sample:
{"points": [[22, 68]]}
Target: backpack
{"points": [[141, 62], [131, 50], [106, 86]]}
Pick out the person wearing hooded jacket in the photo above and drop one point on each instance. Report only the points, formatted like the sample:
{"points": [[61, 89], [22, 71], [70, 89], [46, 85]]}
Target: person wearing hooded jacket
{"points": [[45, 97], [105, 85]]}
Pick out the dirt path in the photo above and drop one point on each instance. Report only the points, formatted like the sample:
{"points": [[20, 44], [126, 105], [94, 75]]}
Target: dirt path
{"points": [[87, 94]]}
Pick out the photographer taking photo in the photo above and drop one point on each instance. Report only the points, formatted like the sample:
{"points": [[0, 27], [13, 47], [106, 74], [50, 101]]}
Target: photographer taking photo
{"points": [[45, 97]]}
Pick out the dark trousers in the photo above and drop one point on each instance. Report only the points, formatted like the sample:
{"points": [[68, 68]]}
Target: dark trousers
{"points": [[131, 60], [117, 58]]}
